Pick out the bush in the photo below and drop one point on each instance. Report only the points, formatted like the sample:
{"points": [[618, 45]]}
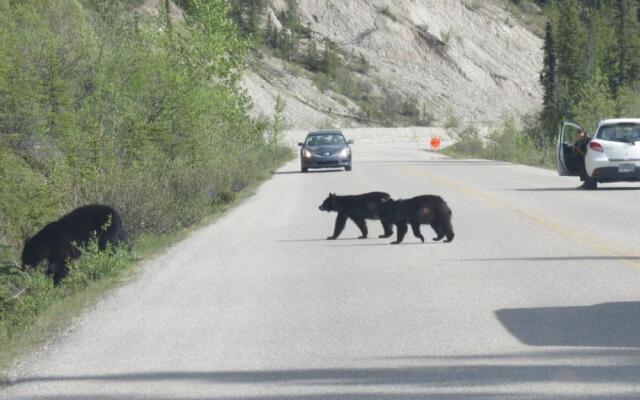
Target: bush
{"points": [[506, 143], [99, 103], [469, 143]]}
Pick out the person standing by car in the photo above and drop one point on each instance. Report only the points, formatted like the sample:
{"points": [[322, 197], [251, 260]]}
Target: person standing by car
{"points": [[580, 150]]}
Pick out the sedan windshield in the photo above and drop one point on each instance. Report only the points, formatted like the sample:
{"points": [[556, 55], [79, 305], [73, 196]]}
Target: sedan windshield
{"points": [[629, 133], [325, 139]]}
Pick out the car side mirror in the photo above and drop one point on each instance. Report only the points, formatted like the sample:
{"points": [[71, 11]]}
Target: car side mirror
{"points": [[350, 141], [300, 144]]}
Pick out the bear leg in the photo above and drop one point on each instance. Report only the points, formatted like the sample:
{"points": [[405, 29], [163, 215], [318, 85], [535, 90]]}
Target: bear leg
{"points": [[448, 230], [401, 230], [415, 226], [388, 230], [438, 231], [341, 221], [362, 225], [58, 270]]}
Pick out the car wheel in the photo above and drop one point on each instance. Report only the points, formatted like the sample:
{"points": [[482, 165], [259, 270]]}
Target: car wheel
{"points": [[347, 168], [590, 183]]}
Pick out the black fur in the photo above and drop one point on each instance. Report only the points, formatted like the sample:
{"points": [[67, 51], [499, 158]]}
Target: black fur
{"points": [[54, 242], [358, 208], [427, 209]]}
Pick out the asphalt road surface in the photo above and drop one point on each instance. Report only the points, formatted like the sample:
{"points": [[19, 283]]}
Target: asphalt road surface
{"points": [[538, 297]]}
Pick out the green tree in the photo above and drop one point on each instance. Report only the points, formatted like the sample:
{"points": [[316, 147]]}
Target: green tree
{"points": [[330, 61], [628, 101], [627, 29], [548, 79], [571, 54], [595, 102], [312, 55], [292, 23]]}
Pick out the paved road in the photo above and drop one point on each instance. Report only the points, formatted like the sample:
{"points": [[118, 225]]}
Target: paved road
{"points": [[536, 298]]}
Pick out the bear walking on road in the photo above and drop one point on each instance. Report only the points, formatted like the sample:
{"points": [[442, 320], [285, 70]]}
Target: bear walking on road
{"points": [[426, 209], [58, 241], [358, 208]]}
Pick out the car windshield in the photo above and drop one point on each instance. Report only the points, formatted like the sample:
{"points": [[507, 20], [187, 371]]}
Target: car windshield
{"points": [[325, 139], [620, 132]]}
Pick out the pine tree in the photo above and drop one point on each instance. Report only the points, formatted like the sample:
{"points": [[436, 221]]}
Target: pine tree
{"points": [[292, 25], [312, 55], [255, 12], [267, 35], [548, 79], [571, 56], [595, 102], [627, 30]]}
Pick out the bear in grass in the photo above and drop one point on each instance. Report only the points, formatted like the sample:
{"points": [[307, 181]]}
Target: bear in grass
{"points": [[58, 241], [358, 208], [426, 209]]}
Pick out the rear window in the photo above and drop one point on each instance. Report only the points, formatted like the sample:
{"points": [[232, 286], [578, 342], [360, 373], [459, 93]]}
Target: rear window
{"points": [[620, 132], [324, 139]]}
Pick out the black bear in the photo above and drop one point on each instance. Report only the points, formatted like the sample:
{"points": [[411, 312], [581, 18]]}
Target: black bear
{"points": [[426, 209], [59, 240], [358, 208]]}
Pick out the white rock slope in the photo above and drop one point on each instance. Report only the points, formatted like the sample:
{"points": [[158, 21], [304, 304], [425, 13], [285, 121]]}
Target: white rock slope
{"points": [[470, 59]]}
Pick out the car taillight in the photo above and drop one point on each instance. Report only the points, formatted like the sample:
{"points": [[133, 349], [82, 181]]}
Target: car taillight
{"points": [[595, 146]]}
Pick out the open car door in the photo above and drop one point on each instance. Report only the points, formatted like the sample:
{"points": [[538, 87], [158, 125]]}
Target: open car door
{"points": [[566, 159]]}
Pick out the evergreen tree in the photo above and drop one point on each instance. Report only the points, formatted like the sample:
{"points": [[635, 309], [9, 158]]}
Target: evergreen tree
{"points": [[628, 101], [329, 62], [595, 102], [253, 17], [602, 43], [312, 55], [548, 80], [291, 22], [571, 56], [627, 31], [284, 45], [268, 32]]}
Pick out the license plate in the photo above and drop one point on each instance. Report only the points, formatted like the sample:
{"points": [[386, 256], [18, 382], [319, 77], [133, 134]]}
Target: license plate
{"points": [[626, 168]]}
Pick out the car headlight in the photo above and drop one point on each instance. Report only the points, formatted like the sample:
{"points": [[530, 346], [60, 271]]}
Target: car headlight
{"points": [[344, 153], [306, 153]]}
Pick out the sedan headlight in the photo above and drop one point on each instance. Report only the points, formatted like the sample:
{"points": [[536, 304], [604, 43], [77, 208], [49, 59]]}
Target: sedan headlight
{"points": [[306, 153], [344, 153]]}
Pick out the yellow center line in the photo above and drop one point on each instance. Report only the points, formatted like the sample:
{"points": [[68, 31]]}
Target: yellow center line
{"points": [[597, 245]]}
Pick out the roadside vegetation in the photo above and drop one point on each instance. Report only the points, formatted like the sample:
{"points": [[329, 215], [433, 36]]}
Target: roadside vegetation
{"points": [[591, 72], [101, 102], [512, 141]]}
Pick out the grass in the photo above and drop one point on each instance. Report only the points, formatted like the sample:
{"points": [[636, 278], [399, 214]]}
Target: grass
{"points": [[66, 302]]}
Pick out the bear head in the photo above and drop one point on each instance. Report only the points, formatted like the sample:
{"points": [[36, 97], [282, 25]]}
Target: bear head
{"points": [[329, 204], [33, 252]]}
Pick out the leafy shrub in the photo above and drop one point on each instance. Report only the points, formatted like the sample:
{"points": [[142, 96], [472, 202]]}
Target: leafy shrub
{"points": [[100, 103], [508, 142]]}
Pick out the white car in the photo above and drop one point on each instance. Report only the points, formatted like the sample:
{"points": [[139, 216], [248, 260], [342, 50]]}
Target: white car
{"points": [[613, 154]]}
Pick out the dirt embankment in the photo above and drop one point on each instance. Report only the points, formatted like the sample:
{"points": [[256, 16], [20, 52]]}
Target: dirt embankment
{"points": [[467, 59]]}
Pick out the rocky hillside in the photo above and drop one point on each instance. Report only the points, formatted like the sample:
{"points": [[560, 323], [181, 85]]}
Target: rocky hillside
{"points": [[464, 61]]}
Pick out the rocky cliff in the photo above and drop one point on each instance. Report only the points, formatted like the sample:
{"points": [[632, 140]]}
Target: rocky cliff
{"points": [[465, 60]]}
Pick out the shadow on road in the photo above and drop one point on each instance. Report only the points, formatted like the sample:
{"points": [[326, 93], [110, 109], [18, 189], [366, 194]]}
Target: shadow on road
{"points": [[333, 395], [439, 378], [600, 325], [570, 258], [434, 162], [315, 171], [386, 243], [320, 240], [575, 189]]}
